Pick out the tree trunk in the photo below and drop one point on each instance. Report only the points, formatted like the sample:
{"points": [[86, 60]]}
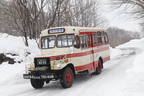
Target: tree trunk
{"points": [[33, 30], [26, 40]]}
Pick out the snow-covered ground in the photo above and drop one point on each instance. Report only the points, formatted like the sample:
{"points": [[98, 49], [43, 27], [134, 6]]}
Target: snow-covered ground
{"points": [[12, 74], [123, 75]]}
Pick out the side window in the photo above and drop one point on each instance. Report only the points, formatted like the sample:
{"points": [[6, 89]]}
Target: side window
{"points": [[99, 40], [83, 41], [94, 38], [89, 40], [103, 39], [76, 42], [99, 33], [106, 37]]}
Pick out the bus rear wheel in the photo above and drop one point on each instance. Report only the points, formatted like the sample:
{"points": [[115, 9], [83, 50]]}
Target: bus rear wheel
{"points": [[66, 79], [99, 67]]}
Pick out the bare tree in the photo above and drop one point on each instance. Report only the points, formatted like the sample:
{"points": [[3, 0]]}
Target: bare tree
{"points": [[29, 17], [17, 15], [119, 36], [83, 13], [135, 8], [34, 9], [48, 14]]}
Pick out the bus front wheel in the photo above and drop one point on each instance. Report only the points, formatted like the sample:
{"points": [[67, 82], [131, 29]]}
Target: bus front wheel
{"points": [[37, 83], [66, 79]]}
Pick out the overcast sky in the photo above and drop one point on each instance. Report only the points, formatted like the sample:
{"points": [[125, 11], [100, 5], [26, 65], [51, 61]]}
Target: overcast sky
{"points": [[119, 20]]}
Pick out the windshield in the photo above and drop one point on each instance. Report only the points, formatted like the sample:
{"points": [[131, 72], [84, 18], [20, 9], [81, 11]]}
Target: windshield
{"points": [[65, 40], [48, 42], [62, 41]]}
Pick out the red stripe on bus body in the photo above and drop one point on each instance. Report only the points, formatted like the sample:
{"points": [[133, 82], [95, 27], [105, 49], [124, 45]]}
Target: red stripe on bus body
{"points": [[86, 53], [91, 66], [102, 49], [52, 58], [85, 67], [106, 59]]}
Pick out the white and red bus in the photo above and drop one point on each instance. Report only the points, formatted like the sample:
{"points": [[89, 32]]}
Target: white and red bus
{"points": [[66, 51]]}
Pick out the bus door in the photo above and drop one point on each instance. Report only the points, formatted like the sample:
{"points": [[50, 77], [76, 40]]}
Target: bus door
{"points": [[90, 46]]}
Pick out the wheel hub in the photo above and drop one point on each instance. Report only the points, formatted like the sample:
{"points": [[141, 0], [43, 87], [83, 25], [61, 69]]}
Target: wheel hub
{"points": [[68, 77]]}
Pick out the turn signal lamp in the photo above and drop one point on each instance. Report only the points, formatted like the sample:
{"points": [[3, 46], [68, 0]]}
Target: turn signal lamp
{"points": [[32, 68], [65, 60], [52, 68]]}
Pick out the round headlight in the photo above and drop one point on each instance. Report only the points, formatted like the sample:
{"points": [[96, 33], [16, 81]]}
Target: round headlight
{"points": [[28, 66]]}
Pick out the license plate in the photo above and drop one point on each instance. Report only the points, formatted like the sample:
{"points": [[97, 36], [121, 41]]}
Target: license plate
{"points": [[47, 76], [28, 76]]}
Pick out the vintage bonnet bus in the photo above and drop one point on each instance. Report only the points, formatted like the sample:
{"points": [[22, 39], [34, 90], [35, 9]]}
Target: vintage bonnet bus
{"points": [[66, 51]]}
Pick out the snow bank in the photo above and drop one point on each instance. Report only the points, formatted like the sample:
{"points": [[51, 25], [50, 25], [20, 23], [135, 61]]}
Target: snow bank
{"points": [[15, 45], [12, 74], [135, 75], [137, 43]]}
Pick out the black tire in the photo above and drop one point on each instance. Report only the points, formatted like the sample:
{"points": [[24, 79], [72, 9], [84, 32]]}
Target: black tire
{"points": [[99, 68], [66, 79], [37, 83], [47, 81]]}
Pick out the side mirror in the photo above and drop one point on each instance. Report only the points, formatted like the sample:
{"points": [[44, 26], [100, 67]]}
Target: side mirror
{"points": [[71, 50]]}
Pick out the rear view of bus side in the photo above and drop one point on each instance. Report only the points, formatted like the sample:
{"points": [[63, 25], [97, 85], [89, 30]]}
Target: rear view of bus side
{"points": [[66, 51]]}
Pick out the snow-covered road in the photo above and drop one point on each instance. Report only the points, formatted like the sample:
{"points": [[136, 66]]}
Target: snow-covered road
{"points": [[111, 82]]}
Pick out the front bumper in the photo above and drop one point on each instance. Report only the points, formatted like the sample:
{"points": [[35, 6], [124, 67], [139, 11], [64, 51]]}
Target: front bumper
{"points": [[40, 76]]}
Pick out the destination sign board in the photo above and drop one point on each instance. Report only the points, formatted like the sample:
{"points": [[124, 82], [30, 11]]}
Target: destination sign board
{"points": [[61, 30]]}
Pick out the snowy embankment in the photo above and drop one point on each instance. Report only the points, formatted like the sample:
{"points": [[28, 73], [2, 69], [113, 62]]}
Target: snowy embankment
{"points": [[135, 75], [11, 75]]}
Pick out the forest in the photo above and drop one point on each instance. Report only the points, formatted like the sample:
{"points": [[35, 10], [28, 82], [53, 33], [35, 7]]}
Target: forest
{"points": [[26, 18]]}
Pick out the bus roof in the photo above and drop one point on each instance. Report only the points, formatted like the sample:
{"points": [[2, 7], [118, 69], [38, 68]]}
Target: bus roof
{"points": [[69, 30]]}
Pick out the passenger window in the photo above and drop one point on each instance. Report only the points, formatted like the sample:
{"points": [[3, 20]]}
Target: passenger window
{"points": [[99, 40], [89, 40], [103, 39], [76, 42], [106, 37], [94, 38], [98, 33], [83, 41]]}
